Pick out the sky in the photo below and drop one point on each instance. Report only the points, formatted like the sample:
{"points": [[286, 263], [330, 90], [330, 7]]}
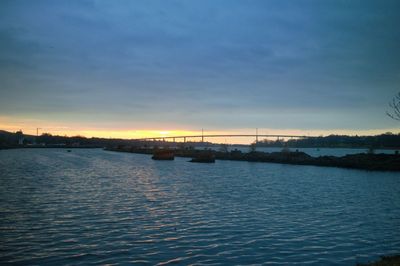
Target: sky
{"points": [[152, 68]]}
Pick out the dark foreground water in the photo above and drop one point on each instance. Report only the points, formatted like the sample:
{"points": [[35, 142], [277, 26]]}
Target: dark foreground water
{"points": [[97, 207]]}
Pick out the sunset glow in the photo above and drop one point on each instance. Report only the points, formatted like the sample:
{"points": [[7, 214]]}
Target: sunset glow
{"points": [[208, 132], [30, 127]]}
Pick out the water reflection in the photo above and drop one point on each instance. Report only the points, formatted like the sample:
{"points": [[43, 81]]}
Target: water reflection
{"points": [[92, 206]]}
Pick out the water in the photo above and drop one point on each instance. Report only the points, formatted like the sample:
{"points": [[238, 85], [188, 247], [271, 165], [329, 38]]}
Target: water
{"points": [[97, 207]]}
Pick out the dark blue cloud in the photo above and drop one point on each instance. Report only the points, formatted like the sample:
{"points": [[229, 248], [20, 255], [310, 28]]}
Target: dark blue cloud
{"points": [[221, 64]]}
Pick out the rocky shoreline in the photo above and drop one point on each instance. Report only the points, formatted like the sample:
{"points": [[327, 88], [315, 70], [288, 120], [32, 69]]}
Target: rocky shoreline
{"points": [[384, 261], [371, 162]]}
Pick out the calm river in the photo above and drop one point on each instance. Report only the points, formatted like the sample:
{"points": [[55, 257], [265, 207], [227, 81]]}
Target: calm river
{"points": [[98, 207]]}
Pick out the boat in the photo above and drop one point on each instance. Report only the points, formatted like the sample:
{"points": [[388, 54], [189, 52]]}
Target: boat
{"points": [[163, 155], [204, 158]]}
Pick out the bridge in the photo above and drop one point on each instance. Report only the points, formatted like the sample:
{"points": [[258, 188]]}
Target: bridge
{"points": [[202, 137]]}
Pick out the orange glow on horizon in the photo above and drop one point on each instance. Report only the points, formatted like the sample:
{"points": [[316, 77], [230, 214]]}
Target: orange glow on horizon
{"points": [[29, 127]]}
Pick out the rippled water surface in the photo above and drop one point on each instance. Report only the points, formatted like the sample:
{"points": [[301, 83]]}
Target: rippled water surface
{"points": [[98, 207]]}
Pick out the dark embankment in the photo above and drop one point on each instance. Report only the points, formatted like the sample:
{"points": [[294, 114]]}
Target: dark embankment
{"points": [[385, 261], [373, 162]]}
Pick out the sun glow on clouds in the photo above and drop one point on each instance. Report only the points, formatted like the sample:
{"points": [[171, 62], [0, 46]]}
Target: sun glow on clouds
{"points": [[29, 126], [120, 134]]}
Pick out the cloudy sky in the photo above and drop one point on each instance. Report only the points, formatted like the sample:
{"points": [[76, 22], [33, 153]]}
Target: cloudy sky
{"points": [[96, 67]]}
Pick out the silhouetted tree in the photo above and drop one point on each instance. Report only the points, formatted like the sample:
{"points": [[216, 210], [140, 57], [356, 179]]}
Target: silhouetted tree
{"points": [[223, 148], [19, 137], [395, 108], [252, 147]]}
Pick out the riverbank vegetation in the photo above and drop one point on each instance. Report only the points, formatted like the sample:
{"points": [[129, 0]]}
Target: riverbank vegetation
{"points": [[383, 141], [387, 140]]}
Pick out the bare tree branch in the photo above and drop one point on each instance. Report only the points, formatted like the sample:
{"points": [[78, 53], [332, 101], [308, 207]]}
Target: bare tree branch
{"points": [[394, 105]]}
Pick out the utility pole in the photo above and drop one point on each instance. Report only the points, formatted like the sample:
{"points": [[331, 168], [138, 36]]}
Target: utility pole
{"points": [[37, 135], [256, 135], [202, 136]]}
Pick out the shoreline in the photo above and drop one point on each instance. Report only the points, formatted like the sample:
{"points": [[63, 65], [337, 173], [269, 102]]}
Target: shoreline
{"points": [[363, 161], [383, 261]]}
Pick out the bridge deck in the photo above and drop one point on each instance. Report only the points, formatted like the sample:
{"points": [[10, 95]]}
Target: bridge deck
{"points": [[225, 135]]}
